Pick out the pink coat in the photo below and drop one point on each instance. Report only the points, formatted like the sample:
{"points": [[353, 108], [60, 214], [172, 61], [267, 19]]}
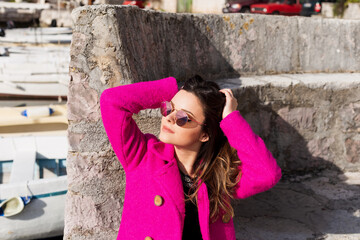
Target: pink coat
{"points": [[154, 199]]}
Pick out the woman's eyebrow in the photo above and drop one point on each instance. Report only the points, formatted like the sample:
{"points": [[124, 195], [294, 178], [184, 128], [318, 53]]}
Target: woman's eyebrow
{"points": [[183, 109]]}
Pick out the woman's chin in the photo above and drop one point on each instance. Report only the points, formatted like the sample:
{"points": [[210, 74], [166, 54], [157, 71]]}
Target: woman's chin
{"points": [[164, 137]]}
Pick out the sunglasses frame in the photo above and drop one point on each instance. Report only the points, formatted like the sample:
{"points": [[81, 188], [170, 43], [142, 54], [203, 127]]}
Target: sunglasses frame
{"points": [[181, 111]]}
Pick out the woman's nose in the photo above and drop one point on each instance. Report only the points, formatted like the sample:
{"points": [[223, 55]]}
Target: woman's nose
{"points": [[171, 117]]}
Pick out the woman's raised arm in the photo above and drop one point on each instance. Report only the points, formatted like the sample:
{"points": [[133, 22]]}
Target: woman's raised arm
{"points": [[259, 170], [117, 106]]}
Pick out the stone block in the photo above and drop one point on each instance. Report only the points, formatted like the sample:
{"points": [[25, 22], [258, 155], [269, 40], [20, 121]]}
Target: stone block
{"points": [[83, 101], [352, 150], [218, 46], [96, 188], [102, 220], [305, 124], [87, 137]]}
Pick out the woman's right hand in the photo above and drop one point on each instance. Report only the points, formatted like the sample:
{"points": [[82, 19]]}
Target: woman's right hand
{"points": [[231, 102]]}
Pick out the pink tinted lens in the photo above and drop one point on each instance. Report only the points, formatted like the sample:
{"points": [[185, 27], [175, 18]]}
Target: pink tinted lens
{"points": [[181, 118], [165, 108]]}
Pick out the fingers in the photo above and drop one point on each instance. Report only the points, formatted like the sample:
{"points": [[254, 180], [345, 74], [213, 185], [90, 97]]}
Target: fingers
{"points": [[227, 91], [231, 102]]}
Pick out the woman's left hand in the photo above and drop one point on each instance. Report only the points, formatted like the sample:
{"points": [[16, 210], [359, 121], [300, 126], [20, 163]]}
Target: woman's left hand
{"points": [[231, 102]]}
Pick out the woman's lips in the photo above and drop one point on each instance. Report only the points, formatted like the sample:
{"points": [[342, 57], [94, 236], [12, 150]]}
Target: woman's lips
{"points": [[165, 129]]}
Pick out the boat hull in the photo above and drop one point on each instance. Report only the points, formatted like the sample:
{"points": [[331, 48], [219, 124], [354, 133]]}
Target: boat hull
{"points": [[43, 217]]}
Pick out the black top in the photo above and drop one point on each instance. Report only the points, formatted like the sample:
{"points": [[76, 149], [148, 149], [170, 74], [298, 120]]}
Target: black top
{"points": [[191, 225]]}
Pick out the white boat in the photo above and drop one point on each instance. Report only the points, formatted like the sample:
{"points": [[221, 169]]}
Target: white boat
{"points": [[33, 163], [37, 35], [35, 72], [12, 123]]}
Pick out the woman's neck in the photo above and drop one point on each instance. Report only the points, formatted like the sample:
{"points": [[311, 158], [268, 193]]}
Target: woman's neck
{"points": [[186, 159]]}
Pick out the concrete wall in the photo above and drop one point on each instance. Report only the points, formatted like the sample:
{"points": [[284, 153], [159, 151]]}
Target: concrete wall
{"points": [[308, 121], [351, 12], [169, 5], [308, 124], [198, 6], [207, 6], [232, 45]]}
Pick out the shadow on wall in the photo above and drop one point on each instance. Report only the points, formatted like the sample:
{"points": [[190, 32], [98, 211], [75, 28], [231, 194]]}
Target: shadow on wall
{"points": [[312, 200], [176, 47]]}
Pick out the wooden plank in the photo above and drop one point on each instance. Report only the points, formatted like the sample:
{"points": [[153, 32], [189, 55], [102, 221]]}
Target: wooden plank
{"points": [[7, 151], [41, 78], [45, 89], [24, 161], [52, 147]]}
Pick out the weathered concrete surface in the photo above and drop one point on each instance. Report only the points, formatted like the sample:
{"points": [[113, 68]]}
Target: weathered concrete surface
{"points": [[207, 6], [310, 122], [168, 5], [160, 44], [313, 206], [351, 12], [96, 184]]}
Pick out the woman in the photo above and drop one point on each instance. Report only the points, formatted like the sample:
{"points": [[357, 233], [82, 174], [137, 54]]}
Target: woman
{"points": [[180, 185]]}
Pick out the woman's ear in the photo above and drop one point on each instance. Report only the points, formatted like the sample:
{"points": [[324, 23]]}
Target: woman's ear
{"points": [[204, 137]]}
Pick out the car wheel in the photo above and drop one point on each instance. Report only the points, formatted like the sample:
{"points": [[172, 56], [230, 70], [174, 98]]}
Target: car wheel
{"points": [[245, 10], [275, 13]]}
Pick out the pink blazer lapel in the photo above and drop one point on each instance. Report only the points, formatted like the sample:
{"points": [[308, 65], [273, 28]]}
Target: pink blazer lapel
{"points": [[204, 212], [168, 177]]}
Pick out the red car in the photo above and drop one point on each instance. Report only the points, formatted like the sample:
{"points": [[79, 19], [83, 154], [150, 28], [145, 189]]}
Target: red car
{"points": [[140, 4], [283, 7]]}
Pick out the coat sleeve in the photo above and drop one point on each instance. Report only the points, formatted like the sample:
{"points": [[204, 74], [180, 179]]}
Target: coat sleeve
{"points": [[259, 170], [118, 104]]}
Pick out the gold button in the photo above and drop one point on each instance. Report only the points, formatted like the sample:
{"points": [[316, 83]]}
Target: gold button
{"points": [[226, 218], [158, 200], [148, 238]]}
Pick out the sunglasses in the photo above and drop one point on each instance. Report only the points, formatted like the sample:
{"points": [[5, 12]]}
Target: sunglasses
{"points": [[181, 116]]}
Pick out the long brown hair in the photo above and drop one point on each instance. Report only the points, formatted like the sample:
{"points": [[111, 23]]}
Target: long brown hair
{"points": [[217, 162]]}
